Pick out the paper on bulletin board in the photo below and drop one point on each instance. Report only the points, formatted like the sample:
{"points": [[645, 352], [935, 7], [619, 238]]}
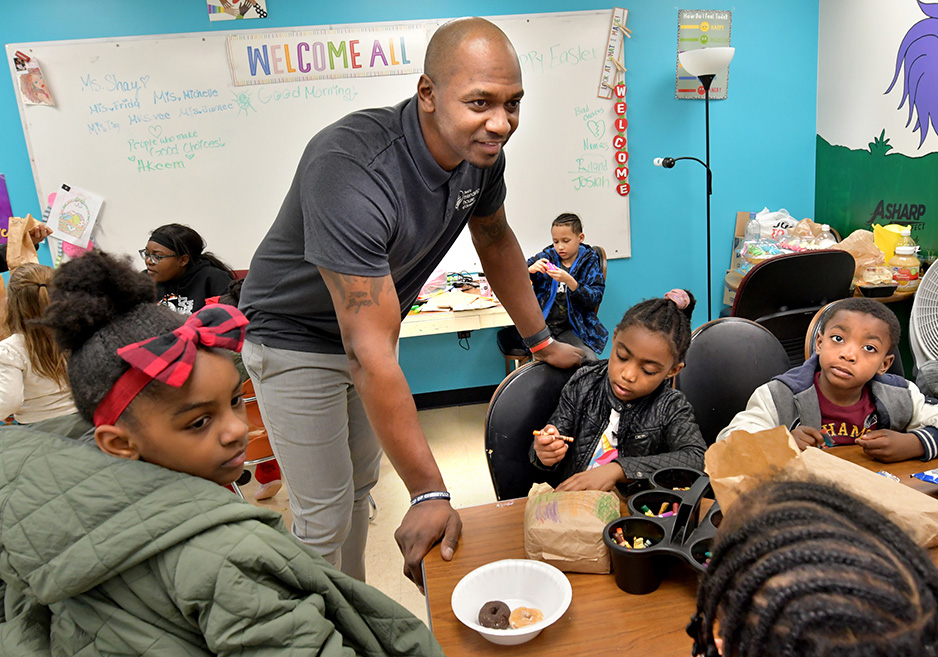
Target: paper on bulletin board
{"points": [[6, 209], [701, 29], [229, 10], [73, 215]]}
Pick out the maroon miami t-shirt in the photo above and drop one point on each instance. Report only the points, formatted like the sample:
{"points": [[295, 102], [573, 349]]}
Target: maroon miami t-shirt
{"points": [[844, 424]]}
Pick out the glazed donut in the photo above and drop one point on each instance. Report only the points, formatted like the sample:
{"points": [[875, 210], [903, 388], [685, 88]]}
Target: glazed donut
{"points": [[494, 615], [524, 616]]}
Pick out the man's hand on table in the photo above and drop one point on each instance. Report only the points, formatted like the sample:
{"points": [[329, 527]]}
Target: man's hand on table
{"points": [[890, 446], [423, 525], [560, 354]]}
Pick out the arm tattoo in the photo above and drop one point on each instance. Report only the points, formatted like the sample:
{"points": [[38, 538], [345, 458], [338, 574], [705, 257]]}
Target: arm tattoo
{"points": [[493, 229], [358, 292]]}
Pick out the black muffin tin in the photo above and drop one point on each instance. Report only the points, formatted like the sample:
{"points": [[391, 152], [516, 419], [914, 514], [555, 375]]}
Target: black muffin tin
{"points": [[676, 537]]}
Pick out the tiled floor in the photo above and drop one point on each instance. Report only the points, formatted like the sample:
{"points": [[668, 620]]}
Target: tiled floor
{"points": [[456, 438]]}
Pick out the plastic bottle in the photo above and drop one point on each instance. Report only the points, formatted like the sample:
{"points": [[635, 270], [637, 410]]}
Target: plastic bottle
{"points": [[905, 269], [905, 238], [826, 239], [753, 228]]}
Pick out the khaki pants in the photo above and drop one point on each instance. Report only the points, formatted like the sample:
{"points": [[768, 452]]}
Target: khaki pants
{"points": [[326, 448]]}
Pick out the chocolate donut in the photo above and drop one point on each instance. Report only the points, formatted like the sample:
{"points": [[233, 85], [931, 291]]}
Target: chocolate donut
{"points": [[494, 615]]}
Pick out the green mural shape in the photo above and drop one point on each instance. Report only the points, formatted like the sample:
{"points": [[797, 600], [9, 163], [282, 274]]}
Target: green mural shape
{"points": [[857, 188]]}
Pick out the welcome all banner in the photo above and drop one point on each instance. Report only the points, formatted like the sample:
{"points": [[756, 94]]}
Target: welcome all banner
{"points": [[326, 54]]}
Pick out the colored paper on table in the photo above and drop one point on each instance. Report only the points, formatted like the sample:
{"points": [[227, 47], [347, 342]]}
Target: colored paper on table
{"points": [[456, 301], [6, 209], [73, 215], [229, 10]]}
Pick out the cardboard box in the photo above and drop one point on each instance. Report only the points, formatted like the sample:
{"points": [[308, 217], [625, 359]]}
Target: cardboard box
{"points": [[742, 218], [730, 285], [731, 282]]}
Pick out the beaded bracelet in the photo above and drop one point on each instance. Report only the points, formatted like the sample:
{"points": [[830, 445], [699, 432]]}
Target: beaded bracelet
{"points": [[537, 338], [433, 495]]}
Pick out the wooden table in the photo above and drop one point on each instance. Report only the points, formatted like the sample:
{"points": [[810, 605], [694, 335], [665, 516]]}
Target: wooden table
{"points": [[602, 619], [431, 323]]}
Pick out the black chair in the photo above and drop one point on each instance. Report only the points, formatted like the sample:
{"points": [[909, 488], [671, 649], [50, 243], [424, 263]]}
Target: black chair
{"points": [[509, 340], [810, 340], [522, 403], [784, 293], [727, 360]]}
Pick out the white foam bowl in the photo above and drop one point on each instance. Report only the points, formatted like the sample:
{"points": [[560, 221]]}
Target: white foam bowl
{"points": [[517, 583]]}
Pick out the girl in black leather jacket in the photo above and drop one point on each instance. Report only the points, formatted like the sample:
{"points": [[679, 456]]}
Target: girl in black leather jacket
{"points": [[624, 418]]}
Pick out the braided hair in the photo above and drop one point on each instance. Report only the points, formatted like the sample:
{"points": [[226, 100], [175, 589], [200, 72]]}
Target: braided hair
{"points": [[804, 570], [100, 303], [569, 219], [662, 316]]}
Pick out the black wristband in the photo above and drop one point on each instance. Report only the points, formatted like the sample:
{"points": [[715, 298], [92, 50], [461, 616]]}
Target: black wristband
{"points": [[433, 495], [537, 338]]}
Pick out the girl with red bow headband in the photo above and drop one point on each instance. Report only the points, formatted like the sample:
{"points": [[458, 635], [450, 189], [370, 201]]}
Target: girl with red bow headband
{"points": [[134, 555]]}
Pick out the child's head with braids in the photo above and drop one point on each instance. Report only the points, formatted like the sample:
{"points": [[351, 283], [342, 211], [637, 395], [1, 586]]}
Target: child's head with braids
{"points": [[648, 346], [154, 386], [804, 570]]}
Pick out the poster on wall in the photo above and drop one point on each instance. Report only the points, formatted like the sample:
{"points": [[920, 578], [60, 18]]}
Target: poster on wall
{"points": [[227, 10], [876, 135], [701, 29]]}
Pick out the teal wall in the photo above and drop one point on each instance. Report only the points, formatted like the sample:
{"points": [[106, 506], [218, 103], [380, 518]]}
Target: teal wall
{"points": [[762, 137]]}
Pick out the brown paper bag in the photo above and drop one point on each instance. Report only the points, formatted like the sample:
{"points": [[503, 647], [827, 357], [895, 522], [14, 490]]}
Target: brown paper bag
{"points": [[744, 461], [565, 529], [20, 247]]}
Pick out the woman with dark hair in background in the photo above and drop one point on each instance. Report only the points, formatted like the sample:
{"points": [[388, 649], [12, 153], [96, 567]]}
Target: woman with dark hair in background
{"points": [[184, 274]]}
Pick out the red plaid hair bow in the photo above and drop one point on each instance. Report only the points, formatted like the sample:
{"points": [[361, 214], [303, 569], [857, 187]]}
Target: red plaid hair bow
{"points": [[169, 358]]}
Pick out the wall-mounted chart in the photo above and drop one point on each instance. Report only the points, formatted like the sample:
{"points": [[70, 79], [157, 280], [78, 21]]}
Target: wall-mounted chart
{"points": [[701, 29]]}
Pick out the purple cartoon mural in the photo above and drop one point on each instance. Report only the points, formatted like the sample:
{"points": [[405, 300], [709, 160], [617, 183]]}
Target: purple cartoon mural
{"points": [[918, 61]]}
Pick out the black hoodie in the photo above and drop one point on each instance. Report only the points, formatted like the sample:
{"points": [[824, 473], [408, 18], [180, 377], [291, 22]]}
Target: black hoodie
{"points": [[187, 293]]}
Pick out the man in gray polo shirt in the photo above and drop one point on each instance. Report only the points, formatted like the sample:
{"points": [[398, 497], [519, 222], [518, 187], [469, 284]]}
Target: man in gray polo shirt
{"points": [[377, 200]]}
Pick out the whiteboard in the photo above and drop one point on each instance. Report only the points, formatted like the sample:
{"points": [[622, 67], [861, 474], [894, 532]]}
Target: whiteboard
{"points": [[221, 160]]}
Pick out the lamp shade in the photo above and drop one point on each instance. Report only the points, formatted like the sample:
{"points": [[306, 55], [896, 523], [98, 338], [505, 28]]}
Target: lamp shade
{"points": [[706, 61]]}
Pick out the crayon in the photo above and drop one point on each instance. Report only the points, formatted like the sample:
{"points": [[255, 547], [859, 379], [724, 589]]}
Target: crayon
{"points": [[566, 439]]}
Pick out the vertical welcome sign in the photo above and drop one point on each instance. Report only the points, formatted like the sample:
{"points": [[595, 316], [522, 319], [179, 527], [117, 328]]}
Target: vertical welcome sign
{"points": [[291, 56]]}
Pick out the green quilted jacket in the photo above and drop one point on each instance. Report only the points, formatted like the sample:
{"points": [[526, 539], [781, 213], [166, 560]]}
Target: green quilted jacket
{"points": [[103, 556]]}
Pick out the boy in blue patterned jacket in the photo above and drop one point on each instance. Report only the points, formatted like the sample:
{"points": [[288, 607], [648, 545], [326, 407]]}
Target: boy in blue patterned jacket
{"points": [[568, 281]]}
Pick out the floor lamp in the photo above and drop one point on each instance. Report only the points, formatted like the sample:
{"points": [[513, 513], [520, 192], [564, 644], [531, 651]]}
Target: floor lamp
{"points": [[704, 63]]}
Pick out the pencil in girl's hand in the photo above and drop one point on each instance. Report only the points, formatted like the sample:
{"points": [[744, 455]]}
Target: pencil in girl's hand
{"points": [[566, 439]]}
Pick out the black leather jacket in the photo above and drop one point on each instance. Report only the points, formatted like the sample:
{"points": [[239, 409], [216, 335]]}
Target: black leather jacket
{"points": [[656, 431]]}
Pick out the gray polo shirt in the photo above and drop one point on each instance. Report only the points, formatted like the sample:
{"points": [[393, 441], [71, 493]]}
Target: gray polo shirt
{"points": [[367, 199]]}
